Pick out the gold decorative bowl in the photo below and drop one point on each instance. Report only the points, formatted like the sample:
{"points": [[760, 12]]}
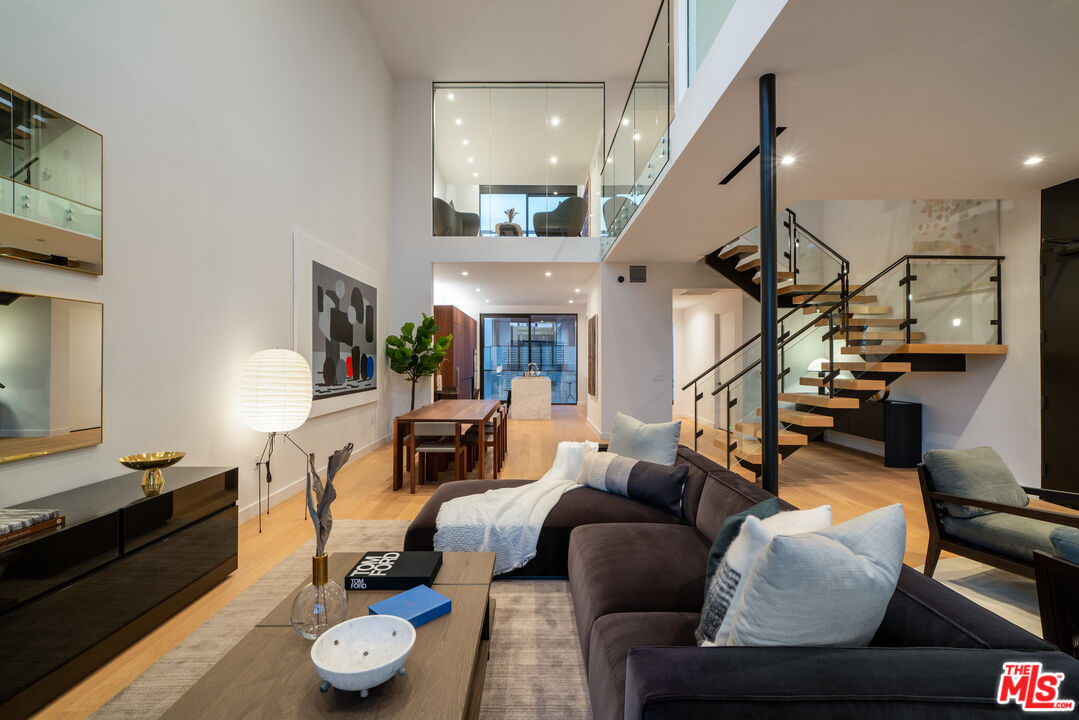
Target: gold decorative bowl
{"points": [[151, 464]]}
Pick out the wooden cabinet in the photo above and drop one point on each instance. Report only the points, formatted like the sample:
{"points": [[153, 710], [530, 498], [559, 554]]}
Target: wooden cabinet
{"points": [[458, 369]]}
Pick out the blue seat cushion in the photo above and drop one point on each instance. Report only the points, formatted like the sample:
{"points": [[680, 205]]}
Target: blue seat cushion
{"points": [[1065, 543], [1015, 537]]}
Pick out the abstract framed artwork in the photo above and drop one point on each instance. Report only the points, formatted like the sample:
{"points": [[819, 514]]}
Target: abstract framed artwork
{"points": [[335, 325]]}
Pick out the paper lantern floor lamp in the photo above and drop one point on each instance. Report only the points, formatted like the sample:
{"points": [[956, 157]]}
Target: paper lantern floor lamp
{"points": [[275, 398]]}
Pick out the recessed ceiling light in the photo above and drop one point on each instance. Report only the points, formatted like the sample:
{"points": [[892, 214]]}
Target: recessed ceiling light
{"points": [[787, 160], [475, 174], [956, 322], [570, 302], [625, 122], [470, 159], [556, 121], [465, 141], [610, 159], [458, 121], [636, 136], [477, 289], [465, 273], [451, 96], [576, 290], [1033, 160], [554, 160], [487, 301], [547, 274]]}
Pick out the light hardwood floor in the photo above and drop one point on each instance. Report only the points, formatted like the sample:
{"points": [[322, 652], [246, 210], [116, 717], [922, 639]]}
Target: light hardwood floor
{"points": [[850, 481]]}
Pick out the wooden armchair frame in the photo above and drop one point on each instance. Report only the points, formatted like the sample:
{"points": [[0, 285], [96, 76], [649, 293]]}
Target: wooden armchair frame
{"points": [[939, 539]]}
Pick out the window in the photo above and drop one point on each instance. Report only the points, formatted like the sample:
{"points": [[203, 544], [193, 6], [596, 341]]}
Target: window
{"points": [[529, 147], [511, 342]]}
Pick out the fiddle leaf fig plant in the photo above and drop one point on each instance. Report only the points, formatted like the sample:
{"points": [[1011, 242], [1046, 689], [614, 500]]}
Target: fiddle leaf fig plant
{"points": [[415, 353]]}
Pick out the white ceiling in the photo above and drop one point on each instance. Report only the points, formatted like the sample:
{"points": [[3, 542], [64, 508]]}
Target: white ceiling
{"points": [[511, 138], [510, 40], [520, 284], [883, 99]]}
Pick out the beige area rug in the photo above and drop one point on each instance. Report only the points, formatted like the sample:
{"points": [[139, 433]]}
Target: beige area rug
{"points": [[1012, 597], [535, 668]]}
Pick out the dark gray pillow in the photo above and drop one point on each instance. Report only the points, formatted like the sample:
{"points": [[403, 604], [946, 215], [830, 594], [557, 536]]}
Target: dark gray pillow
{"points": [[728, 531], [977, 473], [657, 485]]}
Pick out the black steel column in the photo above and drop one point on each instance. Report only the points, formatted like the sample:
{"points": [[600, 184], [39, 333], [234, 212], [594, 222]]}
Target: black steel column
{"points": [[769, 290]]}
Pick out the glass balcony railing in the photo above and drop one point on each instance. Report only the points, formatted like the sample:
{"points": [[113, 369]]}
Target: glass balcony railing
{"points": [[640, 147], [704, 19]]}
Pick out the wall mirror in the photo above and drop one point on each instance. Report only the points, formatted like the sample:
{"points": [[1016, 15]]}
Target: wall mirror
{"points": [[50, 186], [50, 375]]}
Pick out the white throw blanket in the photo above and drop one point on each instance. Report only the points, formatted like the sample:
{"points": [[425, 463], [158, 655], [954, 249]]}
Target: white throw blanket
{"points": [[507, 521]]}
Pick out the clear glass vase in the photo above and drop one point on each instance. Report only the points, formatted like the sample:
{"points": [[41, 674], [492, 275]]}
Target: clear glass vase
{"points": [[321, 604]]}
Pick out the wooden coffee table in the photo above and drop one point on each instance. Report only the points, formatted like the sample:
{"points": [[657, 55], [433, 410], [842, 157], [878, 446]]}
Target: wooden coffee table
{"points": [[269, 672]]}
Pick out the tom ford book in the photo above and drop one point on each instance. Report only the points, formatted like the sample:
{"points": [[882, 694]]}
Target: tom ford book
{"points": [[394, 570]]}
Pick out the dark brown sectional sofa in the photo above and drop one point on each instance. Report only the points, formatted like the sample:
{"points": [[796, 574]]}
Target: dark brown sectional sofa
{"points": [[637, 580]]}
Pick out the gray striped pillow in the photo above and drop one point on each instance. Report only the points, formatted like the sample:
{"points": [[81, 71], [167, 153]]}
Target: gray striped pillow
{"points": [[657, 485]]}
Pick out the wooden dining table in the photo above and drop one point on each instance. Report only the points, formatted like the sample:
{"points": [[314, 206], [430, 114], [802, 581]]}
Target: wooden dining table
{"points": [[461, 412]]}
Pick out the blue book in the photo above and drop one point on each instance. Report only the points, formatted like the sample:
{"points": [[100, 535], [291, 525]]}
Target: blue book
{"points": [[419, 605]]}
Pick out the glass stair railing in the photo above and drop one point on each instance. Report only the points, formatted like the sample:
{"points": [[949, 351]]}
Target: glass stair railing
{"points": [[840, 347]]}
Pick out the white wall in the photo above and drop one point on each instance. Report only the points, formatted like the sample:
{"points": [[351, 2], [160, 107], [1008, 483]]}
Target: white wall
{"points": [[637, 334], [595, 402], [996, 402], [207, 172], [705, 333], [414, 251]]}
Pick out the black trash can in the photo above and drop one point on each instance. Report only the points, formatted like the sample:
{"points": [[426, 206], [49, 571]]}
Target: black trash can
{"points": [[902, 433]]}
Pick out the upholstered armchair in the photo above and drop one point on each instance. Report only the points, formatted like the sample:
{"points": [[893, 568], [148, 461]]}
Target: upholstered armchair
{"points": [[565, 220], [446, 221], [975, 508]]}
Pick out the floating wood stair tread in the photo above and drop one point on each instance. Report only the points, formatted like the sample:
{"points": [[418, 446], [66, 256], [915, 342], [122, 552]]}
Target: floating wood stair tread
{"points": [[750, 451], [802, 419], [876, 321], [835, 403], [885, 335], [880, 367], [829, 299], [788, 289], [786, 437], [731, 251], [859, 308], [860, 322], [927, 349], [780, 275], [744, 472], [748, 264], [843, 383]]}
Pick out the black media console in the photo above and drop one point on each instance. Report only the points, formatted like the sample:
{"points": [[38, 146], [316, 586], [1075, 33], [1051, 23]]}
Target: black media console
{"points": [[122, 565]]}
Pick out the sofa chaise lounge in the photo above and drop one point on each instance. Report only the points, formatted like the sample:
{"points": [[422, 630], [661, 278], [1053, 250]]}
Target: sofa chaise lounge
{"points": [[637, 579]]}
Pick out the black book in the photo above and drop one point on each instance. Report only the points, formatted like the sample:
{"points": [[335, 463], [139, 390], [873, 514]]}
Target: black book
{"points": [[394, 570]]}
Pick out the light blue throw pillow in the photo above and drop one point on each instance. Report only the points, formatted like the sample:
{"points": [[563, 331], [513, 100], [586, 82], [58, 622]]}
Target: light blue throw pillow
{"points": [[824, 589], [656, 442], [1065, 543]]}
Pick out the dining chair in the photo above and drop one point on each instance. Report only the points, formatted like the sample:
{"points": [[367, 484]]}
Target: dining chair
{"points": [[490, 439], [429, 438]]}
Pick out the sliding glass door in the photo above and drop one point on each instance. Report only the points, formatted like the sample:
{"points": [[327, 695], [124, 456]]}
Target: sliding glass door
{"points": [[510, 343]]}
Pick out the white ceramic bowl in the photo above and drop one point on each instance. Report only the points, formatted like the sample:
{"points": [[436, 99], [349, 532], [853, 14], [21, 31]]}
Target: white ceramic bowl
{"points": [[364, 652]]}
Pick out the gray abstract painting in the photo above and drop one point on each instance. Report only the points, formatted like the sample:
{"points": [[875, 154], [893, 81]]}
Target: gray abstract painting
{"points": [[343, 347]]}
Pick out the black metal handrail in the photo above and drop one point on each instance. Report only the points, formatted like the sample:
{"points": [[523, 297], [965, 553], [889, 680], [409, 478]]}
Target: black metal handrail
{"points": [[845, 301], [757, 337]]}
